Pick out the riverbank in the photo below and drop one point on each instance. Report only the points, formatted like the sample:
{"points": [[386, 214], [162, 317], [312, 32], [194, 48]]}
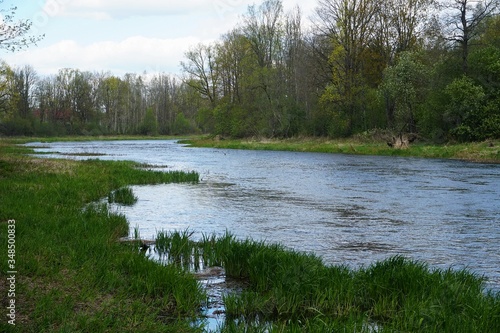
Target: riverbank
{"points": [[484, 152], [74, 276], [289, 291], [70, 272]]}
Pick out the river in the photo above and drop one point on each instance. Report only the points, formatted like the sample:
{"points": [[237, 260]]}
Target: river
{"points": [[351, 210]]}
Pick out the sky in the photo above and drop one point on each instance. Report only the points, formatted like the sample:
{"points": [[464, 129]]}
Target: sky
{"points": [[125, 36]]}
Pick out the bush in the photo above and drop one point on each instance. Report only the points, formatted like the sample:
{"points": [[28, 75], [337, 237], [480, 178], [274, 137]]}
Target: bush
{"points": [[182, 125], [17, 127]]}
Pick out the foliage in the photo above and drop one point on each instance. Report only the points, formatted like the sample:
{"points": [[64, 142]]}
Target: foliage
{"points": [[182, 125], [364, 65], [465, 108], [405, 85], [149, 125]]}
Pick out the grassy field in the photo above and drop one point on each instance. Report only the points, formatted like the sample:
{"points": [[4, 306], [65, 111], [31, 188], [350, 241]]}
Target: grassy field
{"points": [[487, 152], [73, 275]]}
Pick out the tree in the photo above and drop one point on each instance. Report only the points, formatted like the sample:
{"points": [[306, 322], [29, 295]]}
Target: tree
{"points": [[25, 80], [349, 25], [262, 28], [162, 94], [112, 92], [232, 57], [465, 108], [406, 83], [203, 71], [6, 90], [463, 20], [14, 33], [149, 125]]}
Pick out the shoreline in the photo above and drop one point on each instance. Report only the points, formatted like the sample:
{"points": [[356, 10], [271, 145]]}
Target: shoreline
{"points": [[476, 152], [482, 152]]}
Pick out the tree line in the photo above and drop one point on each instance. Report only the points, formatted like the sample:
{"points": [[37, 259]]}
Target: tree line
{"points": [[429, 67], [73, 102]]}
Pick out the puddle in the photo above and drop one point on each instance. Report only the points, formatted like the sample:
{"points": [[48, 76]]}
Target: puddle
{"points": [[216, 285], [213, 279]]}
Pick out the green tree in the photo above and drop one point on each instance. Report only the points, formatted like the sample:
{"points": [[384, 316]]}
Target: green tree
{"points": [[149, 125], [349, 25], [6, 91], [465, 108], [406, 84], [182, 125]]}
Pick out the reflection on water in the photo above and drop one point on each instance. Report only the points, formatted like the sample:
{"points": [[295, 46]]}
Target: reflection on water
{"points": [[350, 210]]}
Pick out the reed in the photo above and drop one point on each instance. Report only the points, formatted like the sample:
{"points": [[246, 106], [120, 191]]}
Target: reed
{"points": [[124, 196]]}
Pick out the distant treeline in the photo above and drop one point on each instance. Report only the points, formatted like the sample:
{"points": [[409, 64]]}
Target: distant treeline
{"points": [[422, 66]]}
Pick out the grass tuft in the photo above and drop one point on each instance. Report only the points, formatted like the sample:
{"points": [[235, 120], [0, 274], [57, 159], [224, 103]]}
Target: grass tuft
{"points": [[124, 196]]}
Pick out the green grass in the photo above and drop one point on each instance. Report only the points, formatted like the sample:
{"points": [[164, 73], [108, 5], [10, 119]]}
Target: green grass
{"points": [[73, 274], [124, 196], [295, 292], [488, 152]]}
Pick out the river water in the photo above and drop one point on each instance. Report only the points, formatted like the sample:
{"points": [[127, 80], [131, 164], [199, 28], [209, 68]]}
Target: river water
{"points": [[351, 210]]}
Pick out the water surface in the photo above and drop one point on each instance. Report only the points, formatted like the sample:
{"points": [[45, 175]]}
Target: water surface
{"points": [[347, 209]]}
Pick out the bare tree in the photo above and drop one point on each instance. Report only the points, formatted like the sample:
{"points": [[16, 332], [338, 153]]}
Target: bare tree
{"points": [[262, 28], [25, 80], [202, 70], [463, 18]]}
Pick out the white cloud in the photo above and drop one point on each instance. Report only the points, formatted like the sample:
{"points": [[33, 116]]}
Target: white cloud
{"points": [[133, 55], [100, 9], [98, 42]]}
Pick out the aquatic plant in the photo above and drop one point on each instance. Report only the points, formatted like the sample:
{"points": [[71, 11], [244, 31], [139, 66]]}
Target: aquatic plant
{"points": [[124, 196]]}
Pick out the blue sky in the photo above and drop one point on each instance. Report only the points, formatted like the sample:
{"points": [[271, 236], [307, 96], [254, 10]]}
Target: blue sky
{"points": [[125, 36]]}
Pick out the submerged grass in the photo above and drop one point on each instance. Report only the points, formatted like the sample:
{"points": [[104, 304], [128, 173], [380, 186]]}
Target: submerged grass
{"points": [[295, 292], [73, 274], [488, 152]]}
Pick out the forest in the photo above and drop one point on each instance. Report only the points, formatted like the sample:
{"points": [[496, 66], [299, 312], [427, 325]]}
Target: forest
{"points": [[428, 67]]}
